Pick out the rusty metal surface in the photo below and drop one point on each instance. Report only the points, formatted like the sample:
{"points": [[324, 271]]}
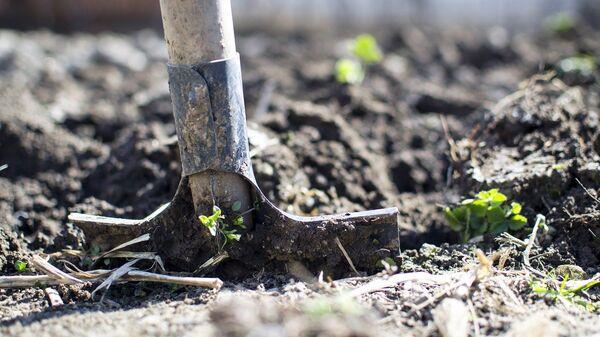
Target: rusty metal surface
{"points": [[276, 236], [208, 107]]}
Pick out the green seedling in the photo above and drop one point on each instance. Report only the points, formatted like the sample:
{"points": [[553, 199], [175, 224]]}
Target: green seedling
{"points": [[341, 305], [173, 287], [488, 212], [565, 294], [365, 48], [216, 225], [95, 250], [560, 23], [365, 52], [584, 64], [349, 71], [20, 266]]}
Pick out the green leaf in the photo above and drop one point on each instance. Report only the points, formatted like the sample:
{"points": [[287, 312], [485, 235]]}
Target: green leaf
{"points": [[454, 223], [515, 207], [493, 196], [498, 227], [239, 221], [584, 64], [236, 206], [479, 208], [20, 265], [349, 71], [231, 235], [467, 202], [461, 213], [95, 250], [216, 213], [497, 199], [235, 237], [539, 288], [560, 23], [212, 230], [517, 222], [387, 260], [495, 214], [209, 222], [366, 49], [480, 227]]}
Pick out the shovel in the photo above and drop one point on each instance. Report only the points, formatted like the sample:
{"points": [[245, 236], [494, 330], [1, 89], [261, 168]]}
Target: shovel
{"points": [[208, 107]]}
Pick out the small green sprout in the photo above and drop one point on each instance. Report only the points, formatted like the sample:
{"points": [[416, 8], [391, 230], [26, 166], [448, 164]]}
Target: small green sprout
{"points": [[584, 64], [20, 266], [217, 226], [565, 294], [560, 23], [239, 221], [488, 212], [349, 71], [365, 48], [341, 305], [212, 221], [174, 287], [365, 51], [95, 250]]}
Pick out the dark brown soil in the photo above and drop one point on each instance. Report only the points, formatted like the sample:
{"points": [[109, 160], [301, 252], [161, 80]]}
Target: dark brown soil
{"points": [[85, 125]]}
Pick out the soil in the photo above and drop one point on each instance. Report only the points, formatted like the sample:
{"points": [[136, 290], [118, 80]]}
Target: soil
{"points": [[86, 125]]}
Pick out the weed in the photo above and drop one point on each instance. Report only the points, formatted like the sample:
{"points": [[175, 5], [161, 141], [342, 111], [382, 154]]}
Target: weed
{"points": [[488, 212], [365, 48], [560, 23], [559, 167], [349, 71], [20, 266], [217, 226], [563, 293], [584, 64], [365, 51], [173, 287], [342, 304], [95, 250]]}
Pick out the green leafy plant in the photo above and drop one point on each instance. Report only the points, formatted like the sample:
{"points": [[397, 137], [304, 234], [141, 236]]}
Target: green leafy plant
{"points": [[218, 228], [365, 51], [564, 293], [584, 64], [349, 71], [20, 266], [488, 212], [560, 23], [365, 48]]}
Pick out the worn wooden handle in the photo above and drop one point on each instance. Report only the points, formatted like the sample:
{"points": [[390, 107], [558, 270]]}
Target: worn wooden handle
{"points": [[198, 31]]}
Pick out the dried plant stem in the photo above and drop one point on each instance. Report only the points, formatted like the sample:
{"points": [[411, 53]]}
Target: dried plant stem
{"points": [[29, 281], [345, 253]]}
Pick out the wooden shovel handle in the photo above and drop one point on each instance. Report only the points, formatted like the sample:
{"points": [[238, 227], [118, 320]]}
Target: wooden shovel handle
{"points": [[201, 31], [198, 31]]}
